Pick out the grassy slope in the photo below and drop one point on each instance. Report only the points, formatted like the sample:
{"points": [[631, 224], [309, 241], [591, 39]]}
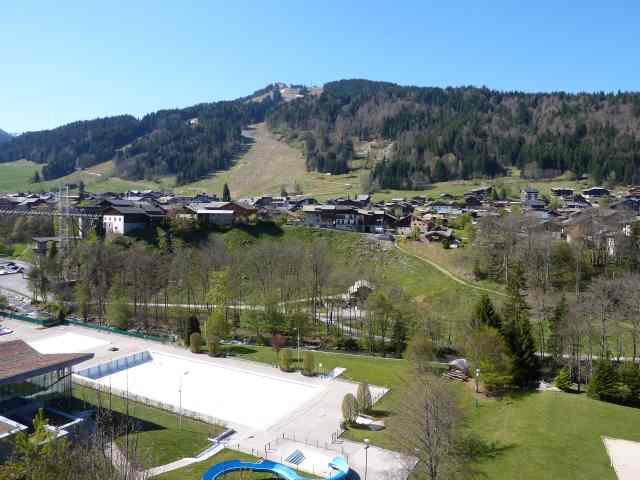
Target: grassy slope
{"points": [[444, 296], [161, 439], [16, 176]]}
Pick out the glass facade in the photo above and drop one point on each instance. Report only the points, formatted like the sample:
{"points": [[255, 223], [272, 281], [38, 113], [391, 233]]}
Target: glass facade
{"points": [[43, 388]]}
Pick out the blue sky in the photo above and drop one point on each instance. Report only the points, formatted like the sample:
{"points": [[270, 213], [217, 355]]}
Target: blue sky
{"points": [[64, 61]]}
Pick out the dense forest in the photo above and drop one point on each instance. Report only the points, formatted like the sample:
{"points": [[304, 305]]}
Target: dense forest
{"points": [[435, 134], [422, 135], [188, 142]]}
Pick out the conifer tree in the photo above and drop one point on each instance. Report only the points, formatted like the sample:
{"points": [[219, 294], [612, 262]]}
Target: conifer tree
{"points": [[563, 380], [226, 193], [556, 323], [603, 383], [516, 329], [485, 314]]}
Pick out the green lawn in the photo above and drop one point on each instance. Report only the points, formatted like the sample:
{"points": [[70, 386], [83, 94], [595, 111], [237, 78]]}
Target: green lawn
{"points": [[552, 435], [195, 471], [160, 440], [16, 176]]}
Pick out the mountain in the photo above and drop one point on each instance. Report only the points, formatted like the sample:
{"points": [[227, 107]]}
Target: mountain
{"points": [[405, 136], [420, 135], [4, 136], [188, 143]]}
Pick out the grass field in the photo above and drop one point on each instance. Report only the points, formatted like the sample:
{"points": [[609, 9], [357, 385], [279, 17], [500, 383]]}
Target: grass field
{"points": [[195, 471], [160, 439]]}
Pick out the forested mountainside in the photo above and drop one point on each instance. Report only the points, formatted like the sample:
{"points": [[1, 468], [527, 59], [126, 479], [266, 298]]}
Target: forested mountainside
{"points": [[4, 136], [421, 134], [188, 142], [435, 134]]}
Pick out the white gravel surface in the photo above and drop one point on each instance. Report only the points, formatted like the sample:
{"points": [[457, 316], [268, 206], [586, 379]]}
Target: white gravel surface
{"points": [[625, 457], [68, 343], [231, 394]]}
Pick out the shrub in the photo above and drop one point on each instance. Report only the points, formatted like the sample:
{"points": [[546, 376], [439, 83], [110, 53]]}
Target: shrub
{"points": [[308, 364], [349, 344], [604, 382], [563, 380], [349, 409], [364, 397], [496, 384], [285, 360], [213, 346], [195, 342]]}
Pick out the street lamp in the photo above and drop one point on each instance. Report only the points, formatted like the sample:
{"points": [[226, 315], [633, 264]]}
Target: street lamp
{"points": [[477, 377], [366, 457], [298, 330], [180, 392], [320, 368]]}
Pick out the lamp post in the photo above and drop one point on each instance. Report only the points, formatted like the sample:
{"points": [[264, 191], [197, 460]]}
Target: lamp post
{"points": [[477, 377], [320, 368], [298, 330], [366, 457], [180, 392]]}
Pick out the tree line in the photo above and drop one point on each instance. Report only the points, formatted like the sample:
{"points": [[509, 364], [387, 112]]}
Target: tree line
{"points": [[580, 296]]}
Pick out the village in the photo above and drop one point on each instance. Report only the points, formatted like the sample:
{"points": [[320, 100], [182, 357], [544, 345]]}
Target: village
{"points": [[420, 218]]}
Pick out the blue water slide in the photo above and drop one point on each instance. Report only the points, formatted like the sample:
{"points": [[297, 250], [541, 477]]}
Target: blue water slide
{"points": [[339, 464]]}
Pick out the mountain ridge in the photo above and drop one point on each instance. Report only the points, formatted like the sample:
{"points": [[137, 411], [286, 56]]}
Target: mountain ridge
{"points": [[426, 134]]}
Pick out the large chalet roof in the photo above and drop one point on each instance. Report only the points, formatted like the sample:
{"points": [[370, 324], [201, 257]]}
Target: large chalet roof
{"points": [[20, 361]]}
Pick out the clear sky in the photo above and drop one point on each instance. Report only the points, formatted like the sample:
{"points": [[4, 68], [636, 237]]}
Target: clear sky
{"points": [[67, 60]]}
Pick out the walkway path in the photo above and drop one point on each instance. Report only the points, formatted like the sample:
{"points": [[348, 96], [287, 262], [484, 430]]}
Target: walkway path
{"points": [[446, 272]]}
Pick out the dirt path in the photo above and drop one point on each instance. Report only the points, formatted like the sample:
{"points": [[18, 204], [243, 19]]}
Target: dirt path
{"points": [[448, 273]]}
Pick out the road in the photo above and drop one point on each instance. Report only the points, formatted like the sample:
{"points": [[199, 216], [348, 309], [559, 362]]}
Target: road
{"points": [[15, 283]]}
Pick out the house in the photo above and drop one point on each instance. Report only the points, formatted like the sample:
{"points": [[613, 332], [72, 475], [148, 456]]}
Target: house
{"points": [[124, 220], [562, 192], [481, 192], [221, 213], [351, 218], [596, 192], [360, 290], [627, 203], [528, 195], [439, 235], [30, 380]]}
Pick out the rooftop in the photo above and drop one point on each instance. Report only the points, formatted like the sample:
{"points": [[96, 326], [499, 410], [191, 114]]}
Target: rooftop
{"points": [[20, 361]]}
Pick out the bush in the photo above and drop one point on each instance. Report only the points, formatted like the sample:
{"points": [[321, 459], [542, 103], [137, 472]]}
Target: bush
{"points": [[308, 364], [496, 384], [563, 380], [364, 397], [213, 346], [349, 409], [349, 344], [603, 384], [284, 358], [195, 342]]}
